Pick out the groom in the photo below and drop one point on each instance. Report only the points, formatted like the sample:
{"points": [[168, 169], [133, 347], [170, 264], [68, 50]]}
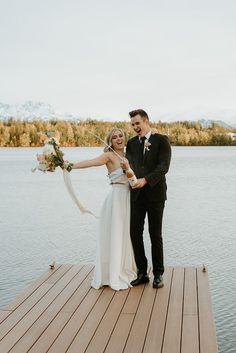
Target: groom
{"points": [[149, 156]]}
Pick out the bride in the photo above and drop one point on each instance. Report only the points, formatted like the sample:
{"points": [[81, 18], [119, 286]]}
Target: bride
{"points": [[115, 264]]}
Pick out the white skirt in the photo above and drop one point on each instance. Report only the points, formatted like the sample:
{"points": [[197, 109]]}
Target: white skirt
{"points": [[115, 264]]}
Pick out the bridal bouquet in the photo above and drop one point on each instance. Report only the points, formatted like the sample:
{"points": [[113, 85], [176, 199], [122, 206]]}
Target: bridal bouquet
{"points": [[51, 157]]}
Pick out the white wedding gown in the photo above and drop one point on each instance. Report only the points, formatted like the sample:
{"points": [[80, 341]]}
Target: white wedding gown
{"points": [[115, 264]]}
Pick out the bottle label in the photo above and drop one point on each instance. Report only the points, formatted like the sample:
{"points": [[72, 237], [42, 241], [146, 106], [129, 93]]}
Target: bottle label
{"points": [[131, 177]]}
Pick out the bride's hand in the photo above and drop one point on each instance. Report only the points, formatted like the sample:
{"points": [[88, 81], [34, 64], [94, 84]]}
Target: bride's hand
{"points": [[65, 165], [124, 164]]}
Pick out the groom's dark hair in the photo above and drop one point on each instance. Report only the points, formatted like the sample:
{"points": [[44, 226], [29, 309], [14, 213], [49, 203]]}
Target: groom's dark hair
{"points": [[140, 112]]}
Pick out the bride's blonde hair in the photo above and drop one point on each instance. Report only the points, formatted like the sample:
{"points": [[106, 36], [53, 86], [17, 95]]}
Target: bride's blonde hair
{"points": [[109, 138]]}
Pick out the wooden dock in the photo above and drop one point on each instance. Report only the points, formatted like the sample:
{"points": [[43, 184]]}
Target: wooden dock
{"points": [[61, 313]]}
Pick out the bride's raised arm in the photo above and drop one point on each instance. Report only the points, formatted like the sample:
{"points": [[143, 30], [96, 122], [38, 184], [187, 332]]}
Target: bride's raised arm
{"points": [[95, 162]]}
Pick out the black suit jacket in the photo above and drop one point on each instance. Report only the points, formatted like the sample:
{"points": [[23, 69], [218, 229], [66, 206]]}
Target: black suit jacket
{"points": [[153, 165]]}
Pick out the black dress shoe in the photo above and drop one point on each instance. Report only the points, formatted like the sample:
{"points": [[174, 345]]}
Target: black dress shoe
{"points": [[140, 280], [158, 282]]}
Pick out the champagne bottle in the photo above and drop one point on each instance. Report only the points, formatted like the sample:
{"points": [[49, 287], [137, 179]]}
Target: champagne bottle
{"points": [[131, 176]]}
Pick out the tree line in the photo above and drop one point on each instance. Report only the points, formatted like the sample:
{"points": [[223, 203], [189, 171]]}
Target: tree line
{"points": [[17, 133]]}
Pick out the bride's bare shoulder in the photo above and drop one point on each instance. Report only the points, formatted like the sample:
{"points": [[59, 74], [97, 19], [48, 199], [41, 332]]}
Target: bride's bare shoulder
{"points": [[109, 155]]}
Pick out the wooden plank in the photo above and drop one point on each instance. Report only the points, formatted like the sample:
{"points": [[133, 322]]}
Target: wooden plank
{"points": [[28, 304], [190, 335], [138, 331], [80, 293], [172, 335], [121, 331], [154, 338], [89, 327], [119, 336], [57, 275], [190, 306], [106, 326], [133, 300], [207, 334], [4, 314], [190, 338], [19, 299], [40, 325], [18, 330], [57, 325], [17, 315], [73, 326], [31, 288], [60, 312]]}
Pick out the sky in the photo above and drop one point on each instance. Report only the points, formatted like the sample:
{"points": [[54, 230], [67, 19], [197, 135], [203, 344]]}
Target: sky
{"points": [[103, 58]]}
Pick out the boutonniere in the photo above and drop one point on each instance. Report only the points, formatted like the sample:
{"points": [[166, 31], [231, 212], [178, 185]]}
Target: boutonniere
{"points": [[147, 145]]}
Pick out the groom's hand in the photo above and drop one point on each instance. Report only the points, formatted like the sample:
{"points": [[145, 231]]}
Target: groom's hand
{"points": [[140, 183]]}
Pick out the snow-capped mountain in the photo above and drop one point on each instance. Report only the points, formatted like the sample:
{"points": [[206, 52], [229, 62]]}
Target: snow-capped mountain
{"points": [[208, 123], [223, 117], [31, 110]]}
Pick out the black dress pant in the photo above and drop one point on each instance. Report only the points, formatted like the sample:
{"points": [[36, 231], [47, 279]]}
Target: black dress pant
{"points": [[154, 210]]}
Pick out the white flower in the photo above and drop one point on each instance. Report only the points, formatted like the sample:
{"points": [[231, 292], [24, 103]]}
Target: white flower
{"points": [[51, 156], [48, 149], [147, 145], [43, 167]]}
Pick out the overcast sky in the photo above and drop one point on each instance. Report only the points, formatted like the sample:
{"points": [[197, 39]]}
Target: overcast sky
{"points": [[103, 58]]}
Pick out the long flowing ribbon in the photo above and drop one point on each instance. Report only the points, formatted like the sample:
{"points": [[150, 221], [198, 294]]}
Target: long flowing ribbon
{"points": [[71, 191]]}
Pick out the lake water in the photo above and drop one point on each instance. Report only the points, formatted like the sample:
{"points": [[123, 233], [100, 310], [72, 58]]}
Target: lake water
{"points": [[39, 222]]}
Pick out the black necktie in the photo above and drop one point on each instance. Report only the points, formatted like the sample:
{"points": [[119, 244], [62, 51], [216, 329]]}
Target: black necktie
{"points": [[142, 140]]}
